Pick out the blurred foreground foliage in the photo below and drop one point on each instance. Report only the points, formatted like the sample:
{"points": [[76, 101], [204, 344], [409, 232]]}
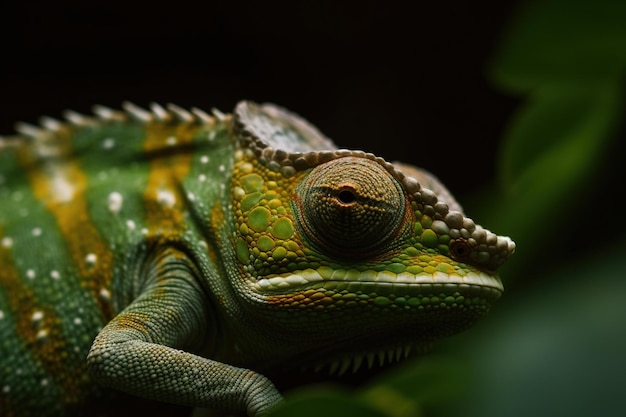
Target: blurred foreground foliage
{"points": [[554, 345]]}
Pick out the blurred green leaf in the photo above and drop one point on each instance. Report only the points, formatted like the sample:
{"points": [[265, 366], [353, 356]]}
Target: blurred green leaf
{"points": [[549, 162], [411, 390], [557, 351], [417, 387], [562, 42], [327, 401], [557, 137], [569, 60]]}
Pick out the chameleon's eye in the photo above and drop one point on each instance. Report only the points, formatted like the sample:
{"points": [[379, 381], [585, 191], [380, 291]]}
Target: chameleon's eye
{"points": [[351, 206]]}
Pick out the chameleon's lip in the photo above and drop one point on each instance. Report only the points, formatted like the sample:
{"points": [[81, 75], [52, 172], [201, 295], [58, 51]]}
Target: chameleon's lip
{"points": [[473, 281]]}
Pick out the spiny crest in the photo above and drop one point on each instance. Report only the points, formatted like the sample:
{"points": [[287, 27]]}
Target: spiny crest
{"points": [[51, 126]]}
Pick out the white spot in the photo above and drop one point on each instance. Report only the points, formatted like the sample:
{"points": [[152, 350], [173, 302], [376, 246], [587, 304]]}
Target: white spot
{"points": [[37, 316], [222, 168], [6, 389], [55, 275], [44, 382], [171, 140], [77, 321], [144, 231], [166, 198], [17, 196], [105, 294], [108, 143], [212, 135], [115, 202], [36, 231], [63, 189], [42, 334], [30, 274], [191, 197], [91, 258], [201, 177], [130, 224], [1, 314], [7, 242], [204, 159]]}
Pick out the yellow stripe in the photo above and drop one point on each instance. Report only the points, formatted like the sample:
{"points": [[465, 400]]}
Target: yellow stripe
{"points": [[39, 328], [60, 184], [170, 163]]}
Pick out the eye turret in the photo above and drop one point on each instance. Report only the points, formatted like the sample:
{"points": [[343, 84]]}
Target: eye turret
{"points": [[351, 206]]}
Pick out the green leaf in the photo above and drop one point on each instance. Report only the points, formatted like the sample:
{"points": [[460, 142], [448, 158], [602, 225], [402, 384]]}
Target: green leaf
{"points": [[325, 401], [418, 387], [410, 390], [568, 57], [562, 42], [557, 138], [557, 350], [550, 159]]}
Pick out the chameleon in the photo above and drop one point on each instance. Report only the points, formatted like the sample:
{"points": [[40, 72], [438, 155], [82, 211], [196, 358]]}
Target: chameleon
{"points": [[190, 257]]}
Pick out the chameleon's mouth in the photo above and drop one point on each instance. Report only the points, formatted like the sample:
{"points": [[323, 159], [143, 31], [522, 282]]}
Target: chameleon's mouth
{"points": [[378, 317], [471, 284]]}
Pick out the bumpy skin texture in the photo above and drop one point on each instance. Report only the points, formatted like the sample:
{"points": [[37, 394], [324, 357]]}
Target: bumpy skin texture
{"points": [[185, 257]]}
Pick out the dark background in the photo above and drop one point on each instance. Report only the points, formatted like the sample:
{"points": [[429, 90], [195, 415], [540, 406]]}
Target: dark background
{"points": [[405, 80]]}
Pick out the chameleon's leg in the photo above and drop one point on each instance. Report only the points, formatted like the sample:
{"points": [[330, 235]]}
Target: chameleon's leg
{"points": [[139, 350]]}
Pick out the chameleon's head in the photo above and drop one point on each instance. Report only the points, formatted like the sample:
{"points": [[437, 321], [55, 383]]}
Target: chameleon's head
{"points": [[344, 250]]}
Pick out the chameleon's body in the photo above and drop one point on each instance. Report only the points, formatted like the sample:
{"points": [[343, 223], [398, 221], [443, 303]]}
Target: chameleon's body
{"points": [[172, 237]]}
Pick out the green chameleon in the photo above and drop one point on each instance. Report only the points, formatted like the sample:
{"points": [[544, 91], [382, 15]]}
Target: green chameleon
{"points": [[189, 258]]}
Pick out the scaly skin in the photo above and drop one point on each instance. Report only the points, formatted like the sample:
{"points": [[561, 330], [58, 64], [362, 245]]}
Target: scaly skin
{"points": [[186, 258]]}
